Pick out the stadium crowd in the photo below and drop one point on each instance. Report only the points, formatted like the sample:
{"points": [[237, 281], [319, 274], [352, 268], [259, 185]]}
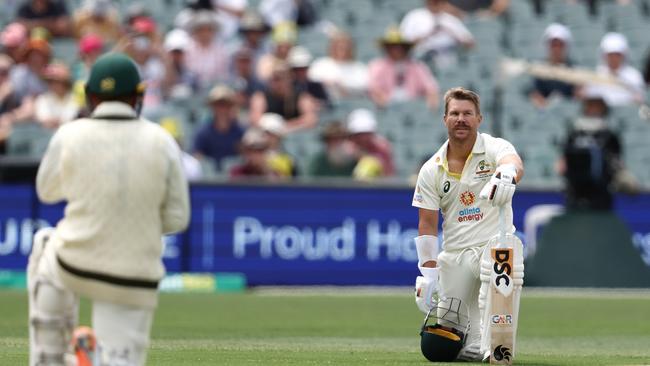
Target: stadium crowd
{"points": [[247, 83]]}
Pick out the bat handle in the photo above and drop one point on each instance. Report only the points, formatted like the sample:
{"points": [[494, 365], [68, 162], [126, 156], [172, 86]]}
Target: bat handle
{"points": [[502, 224]]}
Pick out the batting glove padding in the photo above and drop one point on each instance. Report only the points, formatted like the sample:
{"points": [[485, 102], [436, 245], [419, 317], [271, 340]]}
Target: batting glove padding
{"points": [[427, 248], [426, 288], [501, 187]]}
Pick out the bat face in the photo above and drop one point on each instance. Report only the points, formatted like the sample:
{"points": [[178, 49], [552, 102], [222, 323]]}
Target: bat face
{"points": [[501, 321]]}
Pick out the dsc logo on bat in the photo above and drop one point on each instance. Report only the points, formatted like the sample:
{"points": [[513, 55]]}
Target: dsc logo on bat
{"points": [[502, 270]]}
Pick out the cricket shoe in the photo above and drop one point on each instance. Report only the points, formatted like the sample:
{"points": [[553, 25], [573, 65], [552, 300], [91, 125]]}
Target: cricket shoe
{"points": [[470, 353]]}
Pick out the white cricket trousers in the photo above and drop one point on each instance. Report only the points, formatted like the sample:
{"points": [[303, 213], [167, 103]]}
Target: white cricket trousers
{"points": [[459, 272], [122, 331]]}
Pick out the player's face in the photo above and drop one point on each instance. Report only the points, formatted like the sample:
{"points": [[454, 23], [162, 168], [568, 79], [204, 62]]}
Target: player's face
{"points": [[462, 120]]}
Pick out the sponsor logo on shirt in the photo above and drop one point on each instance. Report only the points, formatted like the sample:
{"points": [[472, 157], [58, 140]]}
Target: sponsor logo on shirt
{"points": [[467, 198], [418, 195], [470, 214], [483, 170]]}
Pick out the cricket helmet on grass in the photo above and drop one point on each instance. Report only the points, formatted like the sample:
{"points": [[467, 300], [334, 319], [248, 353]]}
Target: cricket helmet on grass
{"points": [[442, 341]]}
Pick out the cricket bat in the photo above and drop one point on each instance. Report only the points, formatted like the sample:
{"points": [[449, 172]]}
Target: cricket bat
{"points": [[502, 301]]}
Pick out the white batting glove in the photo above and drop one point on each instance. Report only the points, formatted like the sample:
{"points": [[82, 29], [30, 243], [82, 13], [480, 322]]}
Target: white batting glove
{"points": [[501, 187], [426, 289]]}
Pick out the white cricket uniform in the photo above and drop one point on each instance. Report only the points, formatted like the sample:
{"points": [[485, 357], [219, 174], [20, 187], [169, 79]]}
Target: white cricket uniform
{"points": [[469, 222], [124, 185]]}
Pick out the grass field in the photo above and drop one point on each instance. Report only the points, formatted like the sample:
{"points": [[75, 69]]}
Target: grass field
{"points": [[372, 328]]}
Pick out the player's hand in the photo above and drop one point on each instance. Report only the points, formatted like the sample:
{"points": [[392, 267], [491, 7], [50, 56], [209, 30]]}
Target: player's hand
{"points": [[426, 288], [501, 187]]}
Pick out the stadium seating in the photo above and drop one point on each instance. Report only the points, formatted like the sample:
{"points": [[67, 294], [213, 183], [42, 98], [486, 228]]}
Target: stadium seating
{"points": [[414, 129]]}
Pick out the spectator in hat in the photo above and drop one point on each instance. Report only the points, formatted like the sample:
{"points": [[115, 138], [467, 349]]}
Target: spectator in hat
{"points": [[57, 105], [300, 12], [27, 76], [437, 34], [184, 18], [49, 14], [98, 17], [243, 76], [253, 32], [219, 136], [342, 75], [278, 159], [374, 151], [12, 39], [614, 49], [179, 82], [299, 60], [91, 46], [207, 56], [338, 158], [300, 110], [229, 15], [254, 150], [283, 37], [557, 39], [396, 77]]}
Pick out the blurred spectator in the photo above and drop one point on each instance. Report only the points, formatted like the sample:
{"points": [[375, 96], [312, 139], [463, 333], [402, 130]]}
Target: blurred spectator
{"points": [[178, 82], [191, 165], [299, 60], [229, 14], [646, 70], [375, 152], [253, 31], [557, 39], [91, 46], [206, 56], [631, 89], [143, 46], [278, 159], [339, 71], [99, 17], [300, 12], [57, 105], [135, 10], [338, 158], [243, 75], [300, 111], [396, 77], [49, 14], [592, 156], [27, 76], [484, 8], [184, 18], [254, 151], [8, 98], [284, 37], [218, 137], [8, 101], [13, 39], [436, 33]]}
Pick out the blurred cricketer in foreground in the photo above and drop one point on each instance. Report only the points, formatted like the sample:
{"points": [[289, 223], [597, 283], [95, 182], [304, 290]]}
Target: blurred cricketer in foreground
{"points": [[122, 179], [469, 166]]}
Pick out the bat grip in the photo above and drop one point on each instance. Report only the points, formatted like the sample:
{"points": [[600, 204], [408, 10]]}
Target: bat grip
{"points": [[502, 224]]}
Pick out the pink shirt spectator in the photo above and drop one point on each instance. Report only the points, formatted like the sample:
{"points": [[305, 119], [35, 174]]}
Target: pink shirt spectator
{"points": [[400, 81], [210, 64]]}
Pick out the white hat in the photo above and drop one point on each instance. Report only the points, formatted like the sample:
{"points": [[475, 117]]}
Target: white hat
{"points": [[361, 121], [176, 39], [299, 56], [614, 43], [272, 123], [557, 31]]}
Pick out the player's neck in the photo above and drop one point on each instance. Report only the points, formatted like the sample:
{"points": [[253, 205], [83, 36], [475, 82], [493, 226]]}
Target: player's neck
{"points": [[460, 149]]}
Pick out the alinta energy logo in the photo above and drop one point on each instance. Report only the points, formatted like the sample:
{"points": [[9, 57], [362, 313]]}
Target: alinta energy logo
{"points": [[502, 353]]}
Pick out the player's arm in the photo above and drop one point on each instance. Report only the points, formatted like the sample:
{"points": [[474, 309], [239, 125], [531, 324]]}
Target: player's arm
{"points": [[509, 171], [427, 240], [48, 179], [176, 206]]}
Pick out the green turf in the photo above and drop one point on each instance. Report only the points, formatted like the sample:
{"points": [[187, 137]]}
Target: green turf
{"points": [[307, 329]]}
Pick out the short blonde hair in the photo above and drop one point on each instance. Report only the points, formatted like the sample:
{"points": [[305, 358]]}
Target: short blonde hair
{"points": [[461, 93]]}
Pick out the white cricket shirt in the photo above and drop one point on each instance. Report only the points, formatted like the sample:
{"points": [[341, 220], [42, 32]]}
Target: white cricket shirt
{"points": [[467, 220]]}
